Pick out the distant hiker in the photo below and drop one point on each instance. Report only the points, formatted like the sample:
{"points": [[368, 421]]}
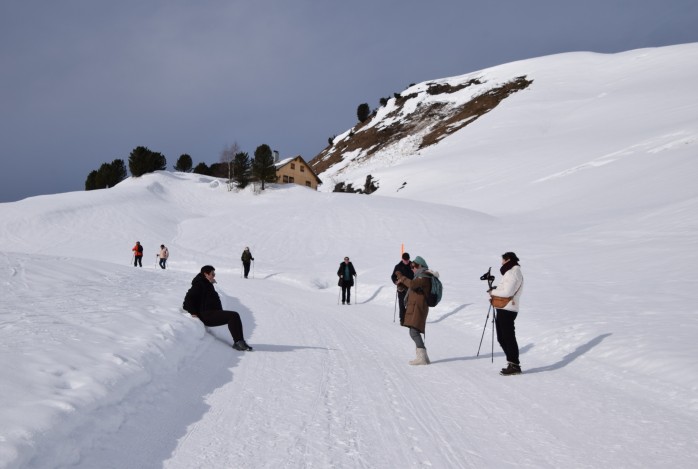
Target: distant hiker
{"points": [[137, 254], [163, 255], [417, 309], [202, 301], [511, 288], [246, 259], [404, 268], [346, 274]]}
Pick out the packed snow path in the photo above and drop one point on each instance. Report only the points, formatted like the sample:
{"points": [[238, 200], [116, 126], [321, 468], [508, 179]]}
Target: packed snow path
{"points": [[329, 386]]}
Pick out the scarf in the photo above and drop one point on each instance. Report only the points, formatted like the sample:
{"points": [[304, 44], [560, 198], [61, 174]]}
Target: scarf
{"points": [[507, 266]]}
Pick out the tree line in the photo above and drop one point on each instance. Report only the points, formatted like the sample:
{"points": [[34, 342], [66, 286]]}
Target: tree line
{"points": [[235, 165]]}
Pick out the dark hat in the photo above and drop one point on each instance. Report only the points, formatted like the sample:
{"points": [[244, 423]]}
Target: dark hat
{"points": [[406, 256], [510, 256]]}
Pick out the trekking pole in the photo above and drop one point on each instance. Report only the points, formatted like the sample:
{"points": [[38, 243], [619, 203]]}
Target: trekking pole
{"points": [[133, 258], [242, 268], [252, 268], [356, 292], [339, 293], [395, 307], [483, 330]]}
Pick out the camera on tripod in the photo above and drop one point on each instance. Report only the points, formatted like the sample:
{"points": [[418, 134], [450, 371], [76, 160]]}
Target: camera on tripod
{"points": [[489, 278]]}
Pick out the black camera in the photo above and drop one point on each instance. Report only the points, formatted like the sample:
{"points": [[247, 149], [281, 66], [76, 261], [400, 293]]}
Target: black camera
{"points": [[488, 276]]}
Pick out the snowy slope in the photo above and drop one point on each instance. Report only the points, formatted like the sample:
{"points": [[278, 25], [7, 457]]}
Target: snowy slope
{"points": [[102, 369]]}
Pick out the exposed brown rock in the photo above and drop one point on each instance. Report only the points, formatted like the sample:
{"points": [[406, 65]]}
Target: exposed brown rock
{"points": [[435, 120]]}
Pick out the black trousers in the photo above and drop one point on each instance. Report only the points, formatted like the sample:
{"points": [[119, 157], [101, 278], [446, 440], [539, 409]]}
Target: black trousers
{"points": [[346, 291], [246, 265], [220, 317], [506, 334], [138, 261], [401, 304]]}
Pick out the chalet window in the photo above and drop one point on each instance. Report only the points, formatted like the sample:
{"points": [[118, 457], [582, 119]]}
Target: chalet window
{"points": [[307, 183], [302, 169], [285, 178], [293, 165], [290, 179]]}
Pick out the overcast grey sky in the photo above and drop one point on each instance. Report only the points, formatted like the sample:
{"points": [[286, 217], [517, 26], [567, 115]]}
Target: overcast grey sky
{"points": [[83, 82]]}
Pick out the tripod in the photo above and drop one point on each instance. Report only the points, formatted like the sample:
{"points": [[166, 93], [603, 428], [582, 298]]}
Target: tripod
{"points": [[489, 278], [494, 318]]}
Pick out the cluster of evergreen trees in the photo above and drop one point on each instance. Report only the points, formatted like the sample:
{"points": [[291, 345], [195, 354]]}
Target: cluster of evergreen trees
{"points": [[236, 166]]}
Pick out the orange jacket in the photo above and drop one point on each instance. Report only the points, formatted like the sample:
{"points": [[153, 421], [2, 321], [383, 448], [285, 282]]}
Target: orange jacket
{"points": [[138, 250]]}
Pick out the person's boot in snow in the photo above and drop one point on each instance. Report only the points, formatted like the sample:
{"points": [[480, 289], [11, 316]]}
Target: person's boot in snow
{"points": [[422, 357], [242, 346], [512, 369]]}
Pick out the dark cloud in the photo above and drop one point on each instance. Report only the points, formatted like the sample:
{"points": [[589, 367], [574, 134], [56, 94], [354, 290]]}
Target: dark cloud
{"points": [[84, 82]]}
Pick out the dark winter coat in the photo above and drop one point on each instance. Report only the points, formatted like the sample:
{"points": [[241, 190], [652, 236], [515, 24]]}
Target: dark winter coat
{"points": [[246, 256], [348, 282], [405, 270], [201, 297], [416, 301]]}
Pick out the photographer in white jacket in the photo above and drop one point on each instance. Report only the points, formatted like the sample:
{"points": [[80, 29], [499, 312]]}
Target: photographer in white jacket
{"points": [[510, 287]]}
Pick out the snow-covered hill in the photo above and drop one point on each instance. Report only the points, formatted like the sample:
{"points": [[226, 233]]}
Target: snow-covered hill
{"points": [[586, 174], [586, 120]]}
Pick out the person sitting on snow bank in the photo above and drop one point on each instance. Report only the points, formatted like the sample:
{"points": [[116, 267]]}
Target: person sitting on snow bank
{"points": [[202, 301]]}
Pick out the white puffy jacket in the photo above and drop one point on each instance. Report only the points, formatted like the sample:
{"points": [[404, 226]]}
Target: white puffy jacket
{"points": [[511, 285]]}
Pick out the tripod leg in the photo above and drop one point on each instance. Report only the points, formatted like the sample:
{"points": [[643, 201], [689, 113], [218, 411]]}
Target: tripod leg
{"points": [[483, 330], [494, 318]]}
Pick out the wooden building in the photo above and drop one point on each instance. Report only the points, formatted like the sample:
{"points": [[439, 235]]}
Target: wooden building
{"points": [[296, 171]]}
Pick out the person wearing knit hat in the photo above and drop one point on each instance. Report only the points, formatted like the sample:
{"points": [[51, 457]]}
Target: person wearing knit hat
{"points": [[510, 288], [404, 268], [416, 306]]}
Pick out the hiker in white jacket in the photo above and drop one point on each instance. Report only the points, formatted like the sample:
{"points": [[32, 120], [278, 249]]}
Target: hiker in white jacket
{"points": [[163, 255]]}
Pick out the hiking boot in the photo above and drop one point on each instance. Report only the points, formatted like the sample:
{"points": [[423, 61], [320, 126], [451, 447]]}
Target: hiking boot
{"points": [[512, 369], [242, 346], [509, 364]]}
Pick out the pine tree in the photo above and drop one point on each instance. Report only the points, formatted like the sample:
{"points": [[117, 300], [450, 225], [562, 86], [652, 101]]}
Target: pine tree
{"points": [[142, 160], [184, 163], [363, 111], [201, 168], [241, 169], [108, 175], [263, 168]]}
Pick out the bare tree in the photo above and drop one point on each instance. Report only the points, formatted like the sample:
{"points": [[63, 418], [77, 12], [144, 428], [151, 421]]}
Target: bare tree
{"points": [[228, 157]]}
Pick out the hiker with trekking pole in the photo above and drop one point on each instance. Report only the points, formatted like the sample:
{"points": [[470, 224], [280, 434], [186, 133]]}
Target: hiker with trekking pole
{"points": [[137, 254], [346, 274]]}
